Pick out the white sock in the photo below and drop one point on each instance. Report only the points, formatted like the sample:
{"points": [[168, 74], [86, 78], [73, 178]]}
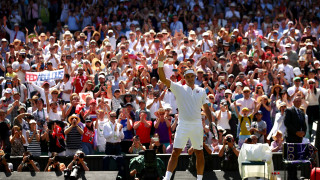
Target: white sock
{"points": [[199, 177], [168, 175]]}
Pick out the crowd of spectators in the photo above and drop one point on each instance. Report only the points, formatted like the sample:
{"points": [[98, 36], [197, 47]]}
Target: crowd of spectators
{"points": [[252, 58]]}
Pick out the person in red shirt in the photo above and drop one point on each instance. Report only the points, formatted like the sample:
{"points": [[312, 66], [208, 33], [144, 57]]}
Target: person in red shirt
{"points": [[143, 128], [88, 143], [79, 80]]}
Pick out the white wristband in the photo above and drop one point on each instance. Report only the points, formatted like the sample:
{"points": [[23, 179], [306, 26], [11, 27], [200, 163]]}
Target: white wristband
{"points": [[160, 63]]}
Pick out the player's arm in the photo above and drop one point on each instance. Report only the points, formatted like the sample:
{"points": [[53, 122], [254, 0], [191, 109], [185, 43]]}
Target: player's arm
{"points": [[207, 111], [162, 76]]}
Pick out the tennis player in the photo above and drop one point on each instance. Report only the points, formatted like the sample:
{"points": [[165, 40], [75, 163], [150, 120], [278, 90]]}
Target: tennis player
{"points": [[190, 99]]}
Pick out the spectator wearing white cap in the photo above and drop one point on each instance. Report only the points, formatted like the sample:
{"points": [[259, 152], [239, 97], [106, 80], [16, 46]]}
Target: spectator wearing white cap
{"points": [[33, 137], [205, 43], [6, 99], [291, 54], [288, 69], [111, 36]]}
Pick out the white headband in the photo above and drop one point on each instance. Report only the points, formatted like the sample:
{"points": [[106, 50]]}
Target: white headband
{"points": [[189, 71]]}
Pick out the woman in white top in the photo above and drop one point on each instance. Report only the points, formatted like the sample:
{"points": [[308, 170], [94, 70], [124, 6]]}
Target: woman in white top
{"points": [[312, 97], [224, 115], [278, 122]]}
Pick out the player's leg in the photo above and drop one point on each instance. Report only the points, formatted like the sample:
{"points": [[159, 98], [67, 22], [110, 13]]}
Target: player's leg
{"points": [[196, 137], [180, 140], [173, 161], [200, 163]]}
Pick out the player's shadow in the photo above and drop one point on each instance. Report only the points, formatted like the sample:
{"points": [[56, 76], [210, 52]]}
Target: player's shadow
{"points": [[231, 175], [207, 175]]}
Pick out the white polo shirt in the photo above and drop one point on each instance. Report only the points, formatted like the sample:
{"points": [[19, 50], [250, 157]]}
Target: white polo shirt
{"points": [[189, 102], [249, 103]]}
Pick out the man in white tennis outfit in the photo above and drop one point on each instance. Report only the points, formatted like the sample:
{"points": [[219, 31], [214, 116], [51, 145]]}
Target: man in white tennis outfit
{"points": [[190, 99]]}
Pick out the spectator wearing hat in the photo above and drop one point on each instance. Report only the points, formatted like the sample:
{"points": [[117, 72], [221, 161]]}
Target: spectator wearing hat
{"points": [[101, 87], [246, 101], [312, 97], [14, 34], [259, 127], [199, 78], [33, 137], [12, 110], [245, 121], [88, 87], [21, 66], [277, 143], [81, 40], [293, 90], [113, 132], [21, 88], [291, 54], [17, 140], [288, 69], [205, 44], [6, 98], [73, 135]]}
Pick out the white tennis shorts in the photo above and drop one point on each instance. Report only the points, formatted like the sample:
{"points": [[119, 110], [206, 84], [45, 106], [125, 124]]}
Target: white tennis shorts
{"points": [[186, 131]]}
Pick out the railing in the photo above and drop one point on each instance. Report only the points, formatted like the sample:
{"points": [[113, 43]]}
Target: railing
{"points": [[95, 162]]}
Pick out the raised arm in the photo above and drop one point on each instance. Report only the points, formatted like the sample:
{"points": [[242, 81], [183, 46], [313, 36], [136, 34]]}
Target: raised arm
{"points": [[162, 76]]}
